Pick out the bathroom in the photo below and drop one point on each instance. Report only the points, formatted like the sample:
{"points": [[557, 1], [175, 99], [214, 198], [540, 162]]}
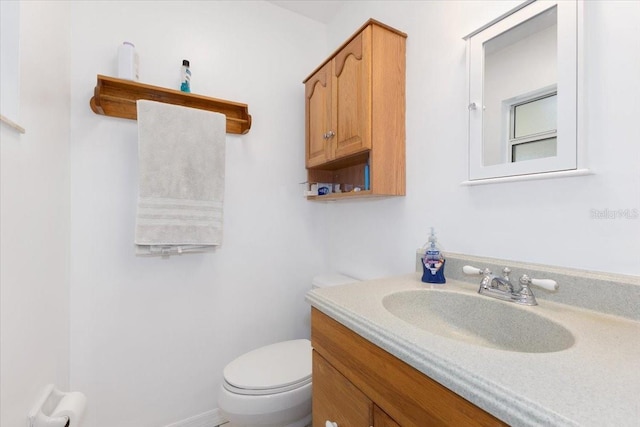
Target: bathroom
{"points": [[146, 339]]}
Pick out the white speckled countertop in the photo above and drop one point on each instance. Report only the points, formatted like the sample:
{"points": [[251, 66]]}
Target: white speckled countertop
{"points": [[595, 382]]}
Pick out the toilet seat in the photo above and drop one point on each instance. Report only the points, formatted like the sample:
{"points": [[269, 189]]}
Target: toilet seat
{"points": [[262, 392], [272, 369]]}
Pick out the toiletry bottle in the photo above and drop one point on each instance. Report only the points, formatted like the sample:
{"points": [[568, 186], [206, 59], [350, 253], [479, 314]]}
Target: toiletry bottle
{"points": [[433, 261], [366, 176], [185, 82], [128, 61]]}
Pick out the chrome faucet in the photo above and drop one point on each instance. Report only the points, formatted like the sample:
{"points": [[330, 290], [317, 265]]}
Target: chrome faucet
{"points": [[491, 281], [502, 288]]}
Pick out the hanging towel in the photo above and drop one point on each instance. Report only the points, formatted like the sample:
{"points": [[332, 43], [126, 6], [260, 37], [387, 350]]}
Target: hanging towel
{"points": [[181, 158]]}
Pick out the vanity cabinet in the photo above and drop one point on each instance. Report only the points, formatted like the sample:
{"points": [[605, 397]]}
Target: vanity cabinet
{"points": [[355, 114], [356, 383]]}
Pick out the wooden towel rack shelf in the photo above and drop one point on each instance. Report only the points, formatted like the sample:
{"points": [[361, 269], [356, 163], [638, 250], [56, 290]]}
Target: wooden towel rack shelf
{"points": [[117, 98]]}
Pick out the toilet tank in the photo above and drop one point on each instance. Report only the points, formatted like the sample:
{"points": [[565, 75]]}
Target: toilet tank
{"points": [[331, 279]]}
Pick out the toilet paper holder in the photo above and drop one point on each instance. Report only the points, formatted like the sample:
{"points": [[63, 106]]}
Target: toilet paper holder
{"points": [[54, 408]]}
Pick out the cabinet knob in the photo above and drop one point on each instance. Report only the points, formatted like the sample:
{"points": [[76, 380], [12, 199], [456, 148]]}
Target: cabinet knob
{"points": [[330, 424], [328, 135]]}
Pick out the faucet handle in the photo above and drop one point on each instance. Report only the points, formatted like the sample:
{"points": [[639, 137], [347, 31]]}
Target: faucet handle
{"points": [[467, 269], [548, 284], [486, 280]]}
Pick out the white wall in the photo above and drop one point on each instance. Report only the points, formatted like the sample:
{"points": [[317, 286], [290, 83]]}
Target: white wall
{"points": [[151, 336], [547, 221], [34, 218]]}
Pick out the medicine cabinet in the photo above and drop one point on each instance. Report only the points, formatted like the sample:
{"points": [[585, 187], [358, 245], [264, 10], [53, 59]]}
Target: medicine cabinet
{"points": [[524, 76]]}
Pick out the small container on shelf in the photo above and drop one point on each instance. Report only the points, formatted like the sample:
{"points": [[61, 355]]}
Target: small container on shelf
{"points": [[128, 62], [185, 81]]}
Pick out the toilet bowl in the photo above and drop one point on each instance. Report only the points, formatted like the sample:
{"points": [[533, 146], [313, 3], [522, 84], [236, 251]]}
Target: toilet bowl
{"points": [[271, 386]]}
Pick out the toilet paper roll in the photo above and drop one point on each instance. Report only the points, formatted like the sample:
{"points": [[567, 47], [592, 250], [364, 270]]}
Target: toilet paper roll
{"points": [[71, 405]]}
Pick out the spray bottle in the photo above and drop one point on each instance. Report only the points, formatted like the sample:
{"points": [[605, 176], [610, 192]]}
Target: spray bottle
{"points": [[185, 80]]}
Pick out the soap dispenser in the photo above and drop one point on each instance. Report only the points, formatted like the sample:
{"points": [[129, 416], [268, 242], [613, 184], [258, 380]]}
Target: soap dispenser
{"points": [[433, 261]]}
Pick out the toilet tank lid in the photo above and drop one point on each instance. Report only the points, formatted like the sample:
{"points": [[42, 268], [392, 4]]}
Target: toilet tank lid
{"points": [[332, 279], [271, 367]]}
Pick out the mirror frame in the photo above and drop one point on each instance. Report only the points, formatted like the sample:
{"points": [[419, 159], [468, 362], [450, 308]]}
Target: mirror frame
{"points": [[568, 158]]}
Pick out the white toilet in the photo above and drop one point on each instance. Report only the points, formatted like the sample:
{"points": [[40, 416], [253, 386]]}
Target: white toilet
{"points": [[271, 386]]}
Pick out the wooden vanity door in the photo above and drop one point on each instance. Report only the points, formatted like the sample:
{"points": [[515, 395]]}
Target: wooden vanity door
{"points": [[381, 419], [335, 399]]}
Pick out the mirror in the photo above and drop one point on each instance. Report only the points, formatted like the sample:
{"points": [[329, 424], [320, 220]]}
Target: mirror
{"points": [[522, 92], [519, 91], [10, 59]]}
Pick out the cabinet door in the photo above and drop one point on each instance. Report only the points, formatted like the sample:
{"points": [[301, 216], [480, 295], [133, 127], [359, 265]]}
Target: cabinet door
{"points": [[335, 399], [352, 97], [318, 116], [381, 419]]}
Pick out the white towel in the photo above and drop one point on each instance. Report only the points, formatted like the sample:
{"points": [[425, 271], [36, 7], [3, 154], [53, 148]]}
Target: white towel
{"points": [[181, 157]]}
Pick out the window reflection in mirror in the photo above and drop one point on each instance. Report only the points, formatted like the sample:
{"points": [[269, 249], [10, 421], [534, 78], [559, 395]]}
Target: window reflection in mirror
{"points": [[519, 94], [533, 129]]}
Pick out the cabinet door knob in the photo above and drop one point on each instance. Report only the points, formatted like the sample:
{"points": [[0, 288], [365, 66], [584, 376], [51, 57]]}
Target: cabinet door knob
{"points": [[330, 424], [331, 134]]}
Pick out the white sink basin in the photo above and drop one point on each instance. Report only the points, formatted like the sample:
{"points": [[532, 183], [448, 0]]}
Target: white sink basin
{"points": [[479, 320]]}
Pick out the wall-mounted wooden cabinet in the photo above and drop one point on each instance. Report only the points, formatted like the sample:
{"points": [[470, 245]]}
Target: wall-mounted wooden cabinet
{"points": [[356, 383], [355, 114]]}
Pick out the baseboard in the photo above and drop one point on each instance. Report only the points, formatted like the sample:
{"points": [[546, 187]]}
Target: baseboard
{"points": [[212, 418]]}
